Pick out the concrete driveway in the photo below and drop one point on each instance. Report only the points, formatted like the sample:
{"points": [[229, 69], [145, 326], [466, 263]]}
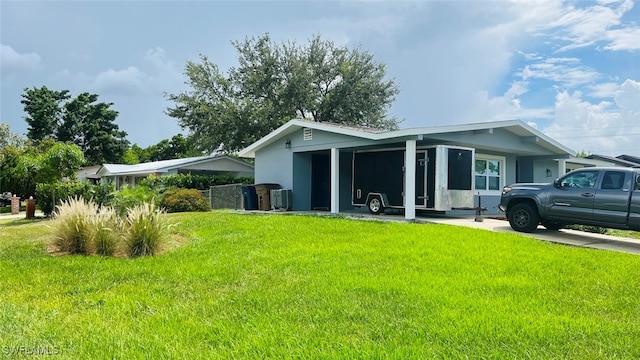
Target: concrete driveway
{"points": [[564, 236]]}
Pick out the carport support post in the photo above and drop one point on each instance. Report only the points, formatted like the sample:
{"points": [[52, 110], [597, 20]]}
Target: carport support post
{"points": [[335, 176], [562, 167], [410, 180]]}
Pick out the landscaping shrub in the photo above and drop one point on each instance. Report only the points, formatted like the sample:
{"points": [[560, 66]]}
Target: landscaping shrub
{"points": [[106, 231], [183, 200], [188, 181], [81, 227], [73, 226], [128, 197], [145, 230], [51, 194]]}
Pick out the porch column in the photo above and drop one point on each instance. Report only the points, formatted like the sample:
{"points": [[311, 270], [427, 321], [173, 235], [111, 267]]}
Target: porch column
{"points": [[562, 167], [410, 180], [335, 183]]}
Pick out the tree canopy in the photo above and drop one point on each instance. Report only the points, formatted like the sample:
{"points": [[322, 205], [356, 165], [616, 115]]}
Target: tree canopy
{"points": [[80, 120], [177, 147], [22, 167], [275, 83]]}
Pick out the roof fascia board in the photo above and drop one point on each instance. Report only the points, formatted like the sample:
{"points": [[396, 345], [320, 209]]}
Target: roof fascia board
{"points": [[200, 161], [293, 125]]}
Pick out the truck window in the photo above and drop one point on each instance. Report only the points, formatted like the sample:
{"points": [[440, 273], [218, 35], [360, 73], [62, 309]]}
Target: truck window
{"points": [[612, 180], [581, 180], [637, 182]]}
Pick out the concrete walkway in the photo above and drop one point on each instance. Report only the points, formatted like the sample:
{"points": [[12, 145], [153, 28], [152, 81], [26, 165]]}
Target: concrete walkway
{"points": [[564, 236], [21, 215]]}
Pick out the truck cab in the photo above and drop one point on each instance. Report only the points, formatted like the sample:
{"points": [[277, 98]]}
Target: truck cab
{"points": [[607, 197]]}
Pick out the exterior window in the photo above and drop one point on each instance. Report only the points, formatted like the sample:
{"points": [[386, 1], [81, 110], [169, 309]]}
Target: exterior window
{"points": [[580, 180], [488, 174], [613, 180]]}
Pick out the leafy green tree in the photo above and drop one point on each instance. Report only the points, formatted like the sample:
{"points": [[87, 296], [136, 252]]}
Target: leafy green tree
{"points": [[275, 83], [81, 120], [8, 138], [175, 148], [49, 161], [11, 147], [44, 111]]}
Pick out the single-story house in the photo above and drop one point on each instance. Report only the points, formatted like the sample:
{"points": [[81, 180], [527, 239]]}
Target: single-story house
{"points": [[123, 174], [622, 160], [319, 163]]}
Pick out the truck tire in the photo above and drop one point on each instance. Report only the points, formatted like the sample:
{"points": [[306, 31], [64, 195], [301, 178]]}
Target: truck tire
{"points": [[524, 218], [375, 205]]}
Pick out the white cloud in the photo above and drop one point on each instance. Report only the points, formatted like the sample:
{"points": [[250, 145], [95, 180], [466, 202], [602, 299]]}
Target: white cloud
{"points": [[120, 82], [566, 71], [624, 39], [603, 90], [13, 63], [628, 99], [164, 75], [507, 105], [609, 128], [582, 27]]}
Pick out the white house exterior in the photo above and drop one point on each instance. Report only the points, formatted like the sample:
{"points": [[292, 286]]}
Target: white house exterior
{"points": [[314, 159]]}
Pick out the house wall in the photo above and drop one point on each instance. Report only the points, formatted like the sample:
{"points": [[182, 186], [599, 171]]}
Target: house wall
{"points": [[287, 161], [322, 140], [274, 164]]}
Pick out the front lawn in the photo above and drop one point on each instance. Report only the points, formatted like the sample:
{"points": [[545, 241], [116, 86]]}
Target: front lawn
{"points": [[284, 286]]}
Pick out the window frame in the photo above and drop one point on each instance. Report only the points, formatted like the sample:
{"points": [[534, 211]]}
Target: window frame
{"points": [[501, 176]]}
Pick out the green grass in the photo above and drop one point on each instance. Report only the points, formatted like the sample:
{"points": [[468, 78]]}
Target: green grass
{"points": [[289, 286]]}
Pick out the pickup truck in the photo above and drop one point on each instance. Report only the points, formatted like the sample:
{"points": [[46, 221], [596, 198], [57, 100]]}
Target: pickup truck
{"points": [[598, 196]]}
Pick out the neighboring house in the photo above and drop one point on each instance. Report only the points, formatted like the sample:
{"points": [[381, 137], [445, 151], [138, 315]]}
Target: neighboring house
{"points": [[88, 173], [122, 174], [315, 160], [622, 160]]}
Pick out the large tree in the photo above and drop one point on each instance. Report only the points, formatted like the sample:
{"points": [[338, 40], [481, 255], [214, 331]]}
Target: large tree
{"points": [[11, 146], [275, 83], [22, 167], [44, 111], [81, 120], [177, 147]]}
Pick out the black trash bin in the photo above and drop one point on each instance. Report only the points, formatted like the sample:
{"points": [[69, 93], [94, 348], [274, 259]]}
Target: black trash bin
{"points": [[249, 197]]}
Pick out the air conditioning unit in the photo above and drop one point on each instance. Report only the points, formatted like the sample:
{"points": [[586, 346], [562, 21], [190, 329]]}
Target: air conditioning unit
{"points": [[281, 199]]}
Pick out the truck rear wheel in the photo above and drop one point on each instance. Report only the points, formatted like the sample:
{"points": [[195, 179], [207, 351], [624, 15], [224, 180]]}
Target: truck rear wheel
{"points": [[524, 218], [375, 205]]}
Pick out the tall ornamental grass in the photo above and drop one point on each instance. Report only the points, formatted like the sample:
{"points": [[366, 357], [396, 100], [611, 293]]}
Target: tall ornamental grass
{"points": [[106, 230], [73, 226], [81, 227], [145, 230]]}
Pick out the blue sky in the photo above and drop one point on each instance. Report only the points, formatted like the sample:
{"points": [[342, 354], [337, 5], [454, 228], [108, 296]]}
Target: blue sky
{"points": [[569, 68]]}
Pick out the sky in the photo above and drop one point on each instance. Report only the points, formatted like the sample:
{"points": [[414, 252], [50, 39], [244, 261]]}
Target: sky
{"points": [[571, 69]]}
